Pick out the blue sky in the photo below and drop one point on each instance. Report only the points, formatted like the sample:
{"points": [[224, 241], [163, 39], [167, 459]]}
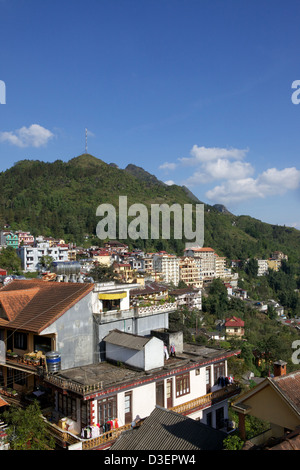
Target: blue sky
{"points": [[196, 92]]}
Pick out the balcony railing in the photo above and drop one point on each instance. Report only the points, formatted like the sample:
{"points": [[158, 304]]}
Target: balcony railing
{"points": [[135, 311], [72, 386], [66, 438], [207, 400]]}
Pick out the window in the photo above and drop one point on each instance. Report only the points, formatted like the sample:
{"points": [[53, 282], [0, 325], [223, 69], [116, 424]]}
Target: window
{"points": [[183, 384], [67, 406], [128, 407], [85, 410], [85, 413], [219, 371], [207, 379], [20, 340], [107, 409]]}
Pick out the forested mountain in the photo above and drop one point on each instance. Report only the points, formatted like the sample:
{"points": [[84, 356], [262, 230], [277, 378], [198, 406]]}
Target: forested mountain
{"points": [[61, 198]]}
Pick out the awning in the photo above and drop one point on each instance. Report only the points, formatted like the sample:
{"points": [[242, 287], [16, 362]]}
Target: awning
{"points": [[112, 296]]}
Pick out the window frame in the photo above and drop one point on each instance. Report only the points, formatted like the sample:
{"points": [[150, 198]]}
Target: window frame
{"points": [[183, 384]]}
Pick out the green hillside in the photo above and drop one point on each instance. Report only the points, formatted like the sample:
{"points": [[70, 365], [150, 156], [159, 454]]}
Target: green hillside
{"points": [[61, 198]]}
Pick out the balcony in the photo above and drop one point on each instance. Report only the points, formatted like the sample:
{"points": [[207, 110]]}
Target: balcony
{"points": [[28, 361], [64, 438], [207, 400], [135, 312]]}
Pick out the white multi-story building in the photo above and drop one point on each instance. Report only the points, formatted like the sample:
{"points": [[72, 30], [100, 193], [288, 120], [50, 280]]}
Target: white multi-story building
{"points": [[263, 267], [168, 265], [31, 256]]}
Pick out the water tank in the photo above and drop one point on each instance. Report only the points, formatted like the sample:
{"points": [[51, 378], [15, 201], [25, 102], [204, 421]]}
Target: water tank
{"points": [[66, 267], [53, 361]]}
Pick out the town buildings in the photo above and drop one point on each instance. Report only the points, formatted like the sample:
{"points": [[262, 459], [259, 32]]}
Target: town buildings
{"points": [[98, 355]]}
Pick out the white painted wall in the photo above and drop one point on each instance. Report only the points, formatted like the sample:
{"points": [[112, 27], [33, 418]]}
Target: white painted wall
{"points": [[150, 357]]}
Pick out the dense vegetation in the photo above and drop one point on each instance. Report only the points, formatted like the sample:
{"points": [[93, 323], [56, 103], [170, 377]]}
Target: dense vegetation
{"points": [[27, 430], [265, 341], [60, 199]]}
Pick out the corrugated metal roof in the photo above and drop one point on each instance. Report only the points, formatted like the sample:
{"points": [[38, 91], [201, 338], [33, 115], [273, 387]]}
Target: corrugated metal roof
{"points": [[126, 340], [167, 430]]}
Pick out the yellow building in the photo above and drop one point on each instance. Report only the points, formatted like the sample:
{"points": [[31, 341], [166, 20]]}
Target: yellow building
{"points": [[274, 264], [189, 272], [275, 400]]}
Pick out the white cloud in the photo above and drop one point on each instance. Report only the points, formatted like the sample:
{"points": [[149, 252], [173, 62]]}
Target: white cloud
{"points": [[220, 169], [271, 182], [234, 174], [32, 136], [168, 166], [282, 180], [201, 155], [169, 182]]}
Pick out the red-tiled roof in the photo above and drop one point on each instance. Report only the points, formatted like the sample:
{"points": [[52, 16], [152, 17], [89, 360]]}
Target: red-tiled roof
{"points": [[234, 321], [13, 302], [200, 249], [39, 303], [289, 385]]}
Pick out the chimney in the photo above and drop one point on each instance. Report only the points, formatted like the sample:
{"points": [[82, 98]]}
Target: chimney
{"points": [[279, 368]]}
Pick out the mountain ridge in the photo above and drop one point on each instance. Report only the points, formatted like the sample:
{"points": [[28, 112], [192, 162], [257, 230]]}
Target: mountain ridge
{"points": [[60, 199]]}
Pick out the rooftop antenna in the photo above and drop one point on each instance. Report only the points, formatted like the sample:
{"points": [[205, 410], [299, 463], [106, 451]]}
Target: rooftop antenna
{"points": [[85, 140]]}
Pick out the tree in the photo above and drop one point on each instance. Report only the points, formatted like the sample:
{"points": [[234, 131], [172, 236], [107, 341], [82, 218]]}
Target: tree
{"points": [[216, 303], [27, 429], [102, 273], [251, 268], [233, 443], [9, 260], [46, 261]]}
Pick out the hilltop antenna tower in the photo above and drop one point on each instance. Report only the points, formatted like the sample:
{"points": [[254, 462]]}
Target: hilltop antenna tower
{"points": [[85, 140]]}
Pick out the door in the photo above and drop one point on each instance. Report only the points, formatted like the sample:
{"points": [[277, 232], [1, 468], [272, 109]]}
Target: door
{"points": [[220, 418], [169, 393], [128, 407], [160, 394]]}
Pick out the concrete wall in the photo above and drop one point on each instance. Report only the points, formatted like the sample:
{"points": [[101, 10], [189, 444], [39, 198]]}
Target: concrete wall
{"points": [[171, 337], [73, 332], [139, 326]]}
